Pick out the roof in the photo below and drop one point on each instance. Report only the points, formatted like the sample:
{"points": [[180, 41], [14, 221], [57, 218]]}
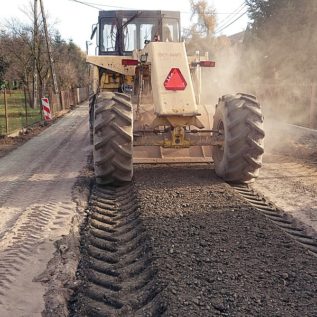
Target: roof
{"points": [[139, 13]]}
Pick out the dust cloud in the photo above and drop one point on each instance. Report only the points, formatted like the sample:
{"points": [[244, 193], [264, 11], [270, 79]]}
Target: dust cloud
{"points": [[279, 67]]}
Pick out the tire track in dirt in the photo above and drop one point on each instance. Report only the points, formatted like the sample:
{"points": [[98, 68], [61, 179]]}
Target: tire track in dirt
{"points": [[37, 209], [291, 185], [216, 254], [119, 279], [17, 172], [22, 241], [284, 221]]}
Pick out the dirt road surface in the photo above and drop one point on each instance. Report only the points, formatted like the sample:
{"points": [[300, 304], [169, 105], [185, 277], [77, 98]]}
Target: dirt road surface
{"points": [[186, 245], [189, 247], [288, 177], [292, 186], [216, 255], [38, 206], [209, 253]]}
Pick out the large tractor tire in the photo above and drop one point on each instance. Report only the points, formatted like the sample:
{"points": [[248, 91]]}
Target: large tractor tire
{"points": [[113, 139], [239, 122]]}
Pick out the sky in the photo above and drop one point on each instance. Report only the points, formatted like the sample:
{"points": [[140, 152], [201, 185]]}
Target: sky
{"points": [[74, 20]]}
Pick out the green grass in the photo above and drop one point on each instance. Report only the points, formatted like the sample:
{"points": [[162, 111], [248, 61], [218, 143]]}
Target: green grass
{"points": [[16, 113]]}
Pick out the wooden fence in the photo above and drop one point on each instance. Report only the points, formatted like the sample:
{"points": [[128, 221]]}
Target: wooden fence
{"points": [[67, 98], [288, 103]]}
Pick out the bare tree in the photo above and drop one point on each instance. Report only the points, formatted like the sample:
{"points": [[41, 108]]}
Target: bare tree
{"points": [[16, 44], [206, 17], [201, 34]]}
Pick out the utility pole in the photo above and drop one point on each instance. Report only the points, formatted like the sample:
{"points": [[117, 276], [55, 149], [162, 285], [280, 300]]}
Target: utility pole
{"points": [[49, 49], [35, 51]]}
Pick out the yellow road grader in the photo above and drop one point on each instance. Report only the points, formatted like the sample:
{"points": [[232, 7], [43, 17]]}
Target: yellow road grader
{"points": [[145, 105]]}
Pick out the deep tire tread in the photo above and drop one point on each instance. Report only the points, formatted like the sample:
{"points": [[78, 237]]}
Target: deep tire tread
{"points": [[113, 138], [119, 278], [241, 157]]}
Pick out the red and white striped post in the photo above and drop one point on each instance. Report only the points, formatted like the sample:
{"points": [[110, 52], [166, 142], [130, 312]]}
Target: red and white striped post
{"points": [[46, 109]]}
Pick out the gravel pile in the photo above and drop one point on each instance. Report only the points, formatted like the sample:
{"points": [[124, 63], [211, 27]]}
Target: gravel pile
{"points": [[215, 255]]}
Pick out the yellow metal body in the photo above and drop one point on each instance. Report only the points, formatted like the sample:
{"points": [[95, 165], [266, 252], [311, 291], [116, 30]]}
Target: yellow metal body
{"points": [[108, 72], [178, 139], [112, 63], [110, 81], [176, 109], [163, 56]]}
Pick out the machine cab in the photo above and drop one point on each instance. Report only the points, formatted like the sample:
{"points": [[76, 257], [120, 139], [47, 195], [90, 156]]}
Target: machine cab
{"points": [[121, 32]]}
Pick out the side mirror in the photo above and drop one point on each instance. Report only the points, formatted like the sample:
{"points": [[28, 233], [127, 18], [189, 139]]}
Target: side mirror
{"points": [[94, 30]]}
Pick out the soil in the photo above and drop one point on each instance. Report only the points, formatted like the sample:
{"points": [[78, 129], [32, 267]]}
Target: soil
{"points": [[216, 256], [296, 142], [40, 214], [288, 177], [9, 143], [213, 254], [60, 274]]}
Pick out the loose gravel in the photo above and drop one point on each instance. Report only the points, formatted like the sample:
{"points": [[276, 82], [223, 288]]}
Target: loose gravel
{"points": [[216, 256]]}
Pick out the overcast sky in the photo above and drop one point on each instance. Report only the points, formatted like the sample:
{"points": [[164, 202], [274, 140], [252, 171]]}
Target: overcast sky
{"points": [[74, 20]]}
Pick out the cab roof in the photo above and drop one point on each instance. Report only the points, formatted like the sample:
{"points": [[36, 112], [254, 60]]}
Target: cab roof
{"points": [[139, 13]]}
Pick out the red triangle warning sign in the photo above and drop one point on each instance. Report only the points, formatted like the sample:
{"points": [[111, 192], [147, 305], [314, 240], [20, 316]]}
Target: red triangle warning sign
{"points": [[175, 80]]}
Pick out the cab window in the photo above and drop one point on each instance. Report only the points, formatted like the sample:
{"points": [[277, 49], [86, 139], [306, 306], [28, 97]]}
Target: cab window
{"points": [[147, 32], [130, 37], [109, 36], [170, 30]]}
